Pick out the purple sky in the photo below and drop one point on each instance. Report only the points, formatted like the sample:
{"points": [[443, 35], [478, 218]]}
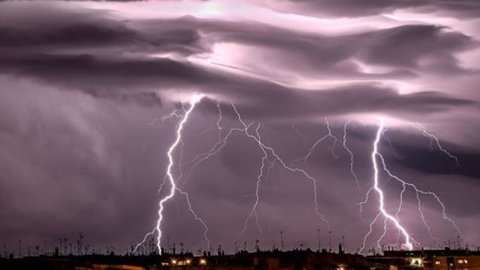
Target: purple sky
{"points": [[84, 86]]}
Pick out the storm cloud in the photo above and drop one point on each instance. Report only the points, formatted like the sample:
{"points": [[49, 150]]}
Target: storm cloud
{"points": [[351, 8], [84, 87]]}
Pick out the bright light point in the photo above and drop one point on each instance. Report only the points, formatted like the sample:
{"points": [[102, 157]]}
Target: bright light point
{"points": [[370, 68], [171, 56], [211, 9], [196, 98], [372, 119], [179, 96], [416, 262]]}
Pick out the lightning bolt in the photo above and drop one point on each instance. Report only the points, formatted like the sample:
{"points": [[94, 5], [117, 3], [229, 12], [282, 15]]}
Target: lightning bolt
{"points": [[314, 146], [177, 113], [171, 178], [375, 157], [352, 171], [270, 158], [253, 211], [217, 147], [381, 197], [300, 133], [199, 219], [220, 118], [275, 158], [434, 139], [422, 192], [370, 231]]}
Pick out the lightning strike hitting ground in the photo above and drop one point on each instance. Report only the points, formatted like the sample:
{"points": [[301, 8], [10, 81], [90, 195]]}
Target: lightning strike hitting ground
{"points": [[376, 155], [379, 240], [270, 157], [370, 231], [381, 197], [423, 192], [170, 177]]}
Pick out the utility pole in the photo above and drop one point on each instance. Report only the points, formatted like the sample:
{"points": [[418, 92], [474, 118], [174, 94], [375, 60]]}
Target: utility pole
{"points": [[281, 240], [318, 240], [168, 244], [330, 241], [80, 244]]}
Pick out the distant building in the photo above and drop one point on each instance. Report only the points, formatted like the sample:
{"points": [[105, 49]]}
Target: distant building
{"points": [[272, 260], [114, 267], [445, 259], [261, 260]]}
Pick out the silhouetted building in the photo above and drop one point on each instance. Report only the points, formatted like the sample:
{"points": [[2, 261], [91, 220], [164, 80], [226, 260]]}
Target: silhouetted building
{"points": [[261, 260], [445, 259]]}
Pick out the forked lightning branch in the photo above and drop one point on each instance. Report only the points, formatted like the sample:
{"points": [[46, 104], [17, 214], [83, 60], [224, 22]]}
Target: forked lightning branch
{"points": [[270, 159]]}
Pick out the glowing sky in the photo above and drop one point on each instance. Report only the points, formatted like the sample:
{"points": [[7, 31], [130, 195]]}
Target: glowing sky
{"points": [[83, 85]]}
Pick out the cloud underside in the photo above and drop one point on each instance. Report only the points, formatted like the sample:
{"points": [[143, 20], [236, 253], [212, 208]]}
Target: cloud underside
{"points": [[148, 59], [352, 8]]}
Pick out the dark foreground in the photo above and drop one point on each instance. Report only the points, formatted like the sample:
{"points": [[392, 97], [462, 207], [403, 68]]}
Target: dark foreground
{"points": [[270, 260]]}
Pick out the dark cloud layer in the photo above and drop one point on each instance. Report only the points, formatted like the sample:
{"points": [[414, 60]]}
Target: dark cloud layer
{"points": [[352, 8], [82, 142], [263, 99], [104, 60]]}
